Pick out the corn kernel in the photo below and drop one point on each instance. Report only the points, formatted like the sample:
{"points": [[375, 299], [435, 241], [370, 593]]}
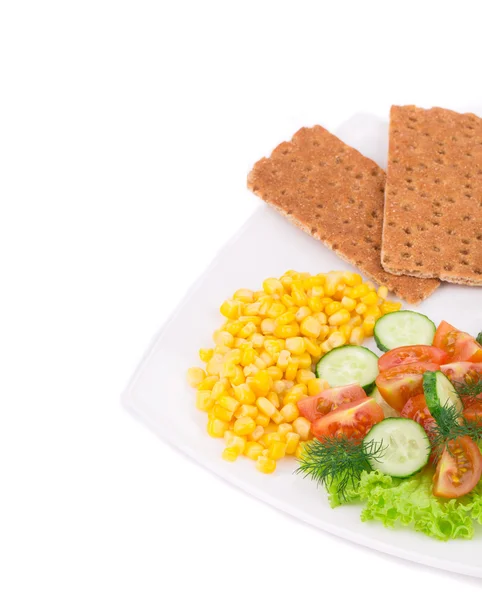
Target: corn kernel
{"points": [[244, 426], [332, 308], [228, 370], [265, 465], [292, 440], [274, 399], [284, 428], [279, 387], [287, 300], [283, 359], [258, 432], [232, 327], [298, 294], [259, 362], [250, 310], [382, 292], [299, 450], [295, 345], [271, 438], [370, 299], [230, 454], [244, 295], [277, 450], [286, 331], [361, 308], [304, 375], [266, 407], [246, 410], [331, 283], [326, 301], [291, 370], [217, 427], [315, 304], [348, 303], [238, 377], [368, 326], [312, 348], [345, 330], [302, 427], [222, 413], [218, 390], [311, 326], [260, 383], [357, 336], [341, 317], [302, 313], [250, 370], [273, 286], [352, 279], [355, 321], [223, 338], [268, 326], [360, 290], [275, 373], [247, 330], [213, 367], [273, 346], [244, 394], [265, 305], [205, 354], [252, 450], [373, 311], [290, 412], [231, 309], [228, 403], [286, 280], [236, 441], [336, 339], [316, 386], [285, 319], [389, 307], [276, 310], [208, 383], [204, 400]]}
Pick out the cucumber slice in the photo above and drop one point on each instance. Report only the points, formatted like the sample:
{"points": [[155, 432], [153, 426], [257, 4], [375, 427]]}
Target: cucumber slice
{"points": [[405, 447], [439, 392], [403, 328], [349, 364]]}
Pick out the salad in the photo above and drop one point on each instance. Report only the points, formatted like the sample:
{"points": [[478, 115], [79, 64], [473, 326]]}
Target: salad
{"points": [[421, 466]]}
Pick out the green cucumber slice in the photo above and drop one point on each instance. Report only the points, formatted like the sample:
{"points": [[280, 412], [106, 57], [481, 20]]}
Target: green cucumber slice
{"points": [[405, 447], [403, 328], [349, 364], [439, 392]]}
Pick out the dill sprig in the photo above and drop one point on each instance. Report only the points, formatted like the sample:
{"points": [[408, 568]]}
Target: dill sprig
{"points": [[478, 339], [469, 389], [451, 424], [339, 460]]}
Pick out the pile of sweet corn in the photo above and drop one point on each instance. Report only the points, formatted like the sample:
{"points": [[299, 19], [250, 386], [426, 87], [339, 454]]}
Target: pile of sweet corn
{"points": [[264, 355]]}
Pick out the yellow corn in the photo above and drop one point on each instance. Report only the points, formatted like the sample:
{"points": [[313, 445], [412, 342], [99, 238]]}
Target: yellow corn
{"points": [[238, 377], [247, 330], [312, 348], [297, 392], [304, 375], [360, 290], [276, 310], [287, 300], [223, 338], [295, 345], [298, 294], [222, 413], [290, 412], [228, 403], [275, 373], [204, 400], [231, 309], [302, 427], [273, 286], [315, 304], [247, 355], [286, 280], [331, 283], [218, 390], [214, 366], [332, 307], [352, 279], [286, 331], [233, 327], [302, 313], [236, 441], [265, 465], [277, 450], [284, 428], [257, 433], [370, 299], [274, 399], [280, 386], [208, 383], [383, 292], [341, 317], [355, 321], [260, 383], [368, 326], [348, 303], [311, 326], [292, 440], [244, 426], [357, 336], [316, 386], [244, 394], [230, 454], [246, 410], [266, 407], [389, 307], [252, 450], [250, 310], [256, 339], [283, 359], [205, 354], [291, 370], [265, 305], [373, 311], [268, 326], [228, 370], [304, 361], [244, 295], [217, 427]]}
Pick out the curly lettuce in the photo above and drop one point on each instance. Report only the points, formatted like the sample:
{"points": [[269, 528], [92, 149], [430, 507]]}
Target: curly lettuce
{"points": [[410, 503]]}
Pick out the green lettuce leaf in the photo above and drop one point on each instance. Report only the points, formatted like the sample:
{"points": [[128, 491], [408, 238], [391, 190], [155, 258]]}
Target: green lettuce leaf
{"points": [[410, 503]]}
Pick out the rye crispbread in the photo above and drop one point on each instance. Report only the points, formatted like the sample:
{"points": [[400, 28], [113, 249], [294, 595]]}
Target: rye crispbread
{"points": [[335, 194], [433, 195]]}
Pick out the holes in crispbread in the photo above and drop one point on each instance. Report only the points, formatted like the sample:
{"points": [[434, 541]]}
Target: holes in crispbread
{"points": [[407, 230], [478, 271], [464, 251], [319, 206], [435, 248], [448, 268], [405, 254], [314, 230], [408, 244]]}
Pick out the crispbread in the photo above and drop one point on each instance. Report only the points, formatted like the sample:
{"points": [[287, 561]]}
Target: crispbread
{"points": [[335, 194], [433, 195]]}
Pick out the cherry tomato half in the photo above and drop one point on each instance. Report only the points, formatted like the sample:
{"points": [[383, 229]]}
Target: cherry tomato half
{"points": [[460, 346], [398, 384], [458, 470], [464, 373], [412, 354], [314, 407], [352, 420]]}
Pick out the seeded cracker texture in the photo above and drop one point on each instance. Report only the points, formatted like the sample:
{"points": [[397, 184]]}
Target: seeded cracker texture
{"points": [[433, 195], [335, 194]]}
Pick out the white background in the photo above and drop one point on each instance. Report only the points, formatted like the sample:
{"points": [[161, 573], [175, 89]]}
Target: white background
{"points": [[126, 133]]}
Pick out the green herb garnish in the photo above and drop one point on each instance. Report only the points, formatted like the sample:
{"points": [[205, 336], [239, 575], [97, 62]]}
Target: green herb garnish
{"points": [[451, 424], [339, 460], [469, 389], [478, 339]]}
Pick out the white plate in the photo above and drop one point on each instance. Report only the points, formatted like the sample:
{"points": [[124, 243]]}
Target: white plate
{"points": [[267, 245]]}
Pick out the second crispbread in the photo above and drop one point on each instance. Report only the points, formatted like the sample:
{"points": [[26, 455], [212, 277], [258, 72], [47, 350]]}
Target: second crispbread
{"points": [[335, 194]]}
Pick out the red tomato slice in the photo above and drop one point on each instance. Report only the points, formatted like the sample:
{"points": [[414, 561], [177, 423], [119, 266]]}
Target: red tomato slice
{"points": [[412, 354], [460, 346], [458, 470], [314, 407], [398, 384], [464, 372], [474, 413], [353, 420], [416, 409]]}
